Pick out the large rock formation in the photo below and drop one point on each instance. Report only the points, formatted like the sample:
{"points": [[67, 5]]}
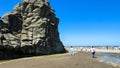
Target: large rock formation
{"points": [[32, 28]]}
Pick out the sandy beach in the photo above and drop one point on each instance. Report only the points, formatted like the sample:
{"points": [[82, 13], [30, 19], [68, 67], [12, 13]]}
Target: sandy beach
{"points": [[80, 60], [110, 50]]}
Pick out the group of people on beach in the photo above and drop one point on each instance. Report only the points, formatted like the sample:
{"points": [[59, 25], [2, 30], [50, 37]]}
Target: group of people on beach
{"points": [[92, 50]]}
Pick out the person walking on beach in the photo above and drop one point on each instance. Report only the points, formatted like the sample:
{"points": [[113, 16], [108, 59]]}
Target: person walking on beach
{"points": [[93, 52], [81, 48], [72, 51]]}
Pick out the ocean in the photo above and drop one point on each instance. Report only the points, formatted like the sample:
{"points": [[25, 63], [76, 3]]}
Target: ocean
{"points": [[109, 57]]}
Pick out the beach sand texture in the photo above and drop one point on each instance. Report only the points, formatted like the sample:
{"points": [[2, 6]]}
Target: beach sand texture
{"points": [[80, 60]]}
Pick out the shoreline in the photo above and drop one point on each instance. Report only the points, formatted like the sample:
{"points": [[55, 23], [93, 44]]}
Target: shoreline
{"points": [[110, 63], [57, 61], [109, 50], [87, 50], [106, 58], [96, 49]]}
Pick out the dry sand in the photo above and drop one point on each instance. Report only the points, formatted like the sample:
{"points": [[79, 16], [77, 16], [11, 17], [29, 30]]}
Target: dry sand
{"points": [[80, 60], [109, 50]]}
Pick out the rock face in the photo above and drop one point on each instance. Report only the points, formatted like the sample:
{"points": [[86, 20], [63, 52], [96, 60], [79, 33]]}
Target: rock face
{"points": [[32, 28]]}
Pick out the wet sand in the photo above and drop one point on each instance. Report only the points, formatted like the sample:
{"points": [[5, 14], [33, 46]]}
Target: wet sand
{"points": [[80, 60]]}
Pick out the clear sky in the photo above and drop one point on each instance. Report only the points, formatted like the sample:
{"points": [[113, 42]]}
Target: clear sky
{"points": [[83, 22]]}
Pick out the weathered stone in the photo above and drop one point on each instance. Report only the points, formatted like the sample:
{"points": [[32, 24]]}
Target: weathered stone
{"points": [[31, 28]]}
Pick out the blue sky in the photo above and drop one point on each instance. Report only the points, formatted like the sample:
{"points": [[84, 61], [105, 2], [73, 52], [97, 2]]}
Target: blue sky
{"points": [[83, 22]]}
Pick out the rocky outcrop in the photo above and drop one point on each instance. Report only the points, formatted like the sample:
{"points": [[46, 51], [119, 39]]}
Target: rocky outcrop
{"points": [[32, 28]]}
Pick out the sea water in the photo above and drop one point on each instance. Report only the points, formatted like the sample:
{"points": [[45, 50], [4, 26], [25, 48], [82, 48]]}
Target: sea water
{"points": [[110, 57]]}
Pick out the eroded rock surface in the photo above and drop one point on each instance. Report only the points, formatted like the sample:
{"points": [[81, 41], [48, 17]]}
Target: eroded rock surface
{"points": [[32, 28]]}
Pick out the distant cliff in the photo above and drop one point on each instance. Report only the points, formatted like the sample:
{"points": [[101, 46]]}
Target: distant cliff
{"points": [[32, 28]]}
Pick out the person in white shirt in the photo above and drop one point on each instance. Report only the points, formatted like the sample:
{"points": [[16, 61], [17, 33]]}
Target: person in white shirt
{"points": [[93, 52], [81, 48], [72, 51]]}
